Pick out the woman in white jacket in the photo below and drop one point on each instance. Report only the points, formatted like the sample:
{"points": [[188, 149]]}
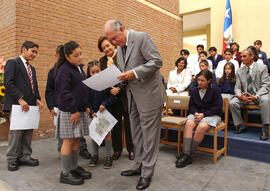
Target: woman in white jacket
{"points": [[180, 78]]}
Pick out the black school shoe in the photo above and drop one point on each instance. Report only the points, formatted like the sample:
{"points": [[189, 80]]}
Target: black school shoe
{"points": [[85, 154], [13, 165], [93, 161], [30, 162], [108, 162], [71, 179], [80, 172], [183, 160]]}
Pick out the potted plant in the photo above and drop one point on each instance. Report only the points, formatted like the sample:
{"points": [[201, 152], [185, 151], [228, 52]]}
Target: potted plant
{"points": [[4, 117]]}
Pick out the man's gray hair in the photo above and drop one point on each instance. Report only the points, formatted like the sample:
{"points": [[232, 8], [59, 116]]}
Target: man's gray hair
{"points": [[116, 25]]}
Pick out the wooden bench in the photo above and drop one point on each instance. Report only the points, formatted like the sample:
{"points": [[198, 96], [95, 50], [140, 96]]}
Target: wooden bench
{"points": [[246, 123], [175, 122], [214, 131]]}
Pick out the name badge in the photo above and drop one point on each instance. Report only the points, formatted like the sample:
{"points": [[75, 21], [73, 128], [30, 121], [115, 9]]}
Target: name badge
{"points": [[176, 101]]}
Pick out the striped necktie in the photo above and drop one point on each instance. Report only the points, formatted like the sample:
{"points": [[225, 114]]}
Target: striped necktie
{"points": [[249, 82], [30, 76]]}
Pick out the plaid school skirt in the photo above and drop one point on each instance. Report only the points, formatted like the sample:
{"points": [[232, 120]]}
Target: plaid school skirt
{"points": [[66, 130], [213, 121]]}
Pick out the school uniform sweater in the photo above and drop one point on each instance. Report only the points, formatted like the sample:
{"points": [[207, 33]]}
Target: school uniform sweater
{"points": [[98, 98], [71, 92], [210, 105], [226, 87]]}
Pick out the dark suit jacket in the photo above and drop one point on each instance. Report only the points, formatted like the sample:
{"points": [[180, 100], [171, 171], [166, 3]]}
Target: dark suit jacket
{"points": [[215, 61], [17, 83], [122, 96], [50, 90]]}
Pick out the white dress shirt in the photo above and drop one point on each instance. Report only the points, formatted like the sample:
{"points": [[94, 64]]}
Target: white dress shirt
{"points": [[25, 65], [220, 67]]}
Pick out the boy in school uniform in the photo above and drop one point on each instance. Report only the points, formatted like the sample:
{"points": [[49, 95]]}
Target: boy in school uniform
{"points": [[21, 88], [214, 57], [262, 55]]}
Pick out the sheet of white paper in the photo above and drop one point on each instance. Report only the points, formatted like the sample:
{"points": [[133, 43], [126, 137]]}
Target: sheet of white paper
{"points": [[104, 79], [24, 120], [55, 118], [101, 125]]}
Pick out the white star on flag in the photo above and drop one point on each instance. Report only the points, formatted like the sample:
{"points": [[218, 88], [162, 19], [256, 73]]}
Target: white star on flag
{"points": [[227, 13]]}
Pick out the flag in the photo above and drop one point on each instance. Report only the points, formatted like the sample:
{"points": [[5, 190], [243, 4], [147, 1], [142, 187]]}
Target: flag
{"points": [[227, 35]]}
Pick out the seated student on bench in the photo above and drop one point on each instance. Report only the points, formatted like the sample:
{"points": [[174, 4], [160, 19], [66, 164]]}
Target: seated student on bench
{"points": [[205, 108]]}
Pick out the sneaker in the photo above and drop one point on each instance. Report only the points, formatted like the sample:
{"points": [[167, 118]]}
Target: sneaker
{"points": [[85, 154], [183, 160], [93, 161], [108, 162], [71, 179]]}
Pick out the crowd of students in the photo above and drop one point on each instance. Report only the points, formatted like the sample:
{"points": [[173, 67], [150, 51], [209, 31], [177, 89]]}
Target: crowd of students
{"points": [[183, 78], [242, 77], [71, 102]]}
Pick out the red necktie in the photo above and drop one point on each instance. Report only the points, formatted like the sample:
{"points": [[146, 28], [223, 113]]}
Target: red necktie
{"points": [[30, 76]]}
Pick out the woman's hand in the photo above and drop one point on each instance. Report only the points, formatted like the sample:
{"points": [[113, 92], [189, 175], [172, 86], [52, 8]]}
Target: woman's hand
{"points": [[53, 113], [75, 118], [101, 108], [198, 116], [173, 89], [115, 90], [94, 115]]}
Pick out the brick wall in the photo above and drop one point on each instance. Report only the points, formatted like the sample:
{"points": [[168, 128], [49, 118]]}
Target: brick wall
{"points": [[169, 5], [54, 22], [7, 28]]}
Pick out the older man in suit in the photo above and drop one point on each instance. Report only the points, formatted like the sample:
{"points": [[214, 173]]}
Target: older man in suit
{"points": [[252, 87], [140, 62], [21, 89]]}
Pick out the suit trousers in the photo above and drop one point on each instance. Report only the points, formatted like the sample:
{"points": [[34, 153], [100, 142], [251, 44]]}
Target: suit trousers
{"points": [[145, 129], [119, 113], [263, 102], [19, 145]]}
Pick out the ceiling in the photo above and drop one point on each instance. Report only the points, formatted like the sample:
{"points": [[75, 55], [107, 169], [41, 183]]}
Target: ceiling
{"points": [[196, 20]]}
